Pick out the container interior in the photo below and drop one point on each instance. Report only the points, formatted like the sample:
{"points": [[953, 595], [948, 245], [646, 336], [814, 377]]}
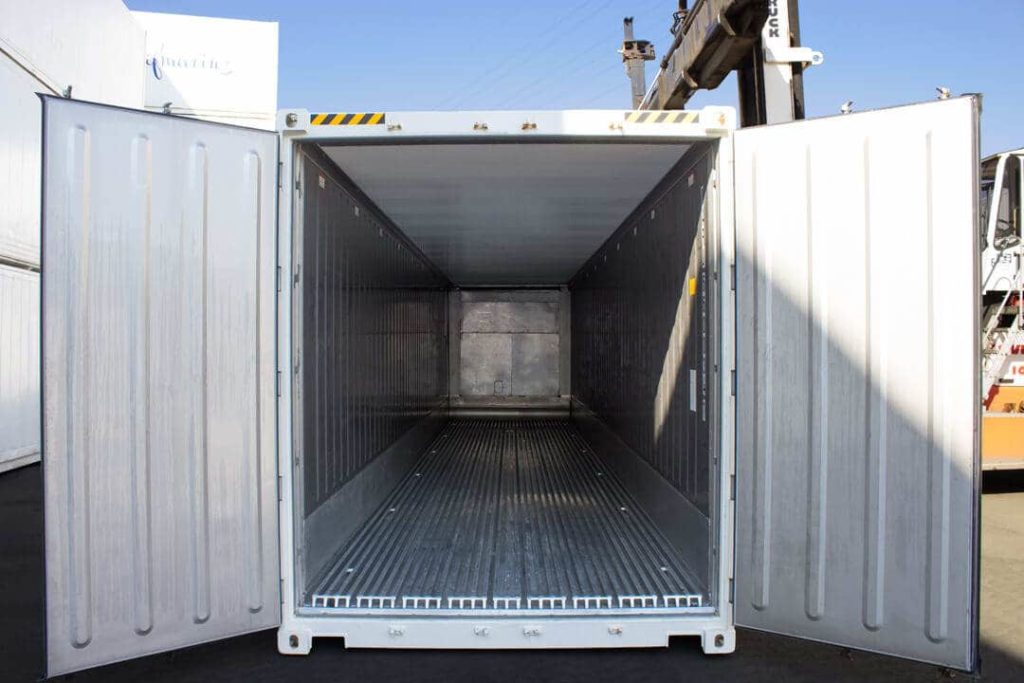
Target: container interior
{"points": [[504, 399]]}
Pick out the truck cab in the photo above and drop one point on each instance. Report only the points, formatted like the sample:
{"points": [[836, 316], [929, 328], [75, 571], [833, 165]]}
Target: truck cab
{"points": [[1002, 184]]}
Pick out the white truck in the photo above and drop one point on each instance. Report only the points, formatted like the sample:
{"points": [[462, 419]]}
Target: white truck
{"points": [[1002, 323]]}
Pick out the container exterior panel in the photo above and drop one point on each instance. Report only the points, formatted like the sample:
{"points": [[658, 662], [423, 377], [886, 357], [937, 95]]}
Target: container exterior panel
{"points": [[158, 383], [374, 354], [858, 380], [19, 367]]}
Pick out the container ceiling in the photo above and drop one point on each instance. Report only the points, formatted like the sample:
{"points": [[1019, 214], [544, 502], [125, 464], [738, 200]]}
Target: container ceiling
{"points": [[508, 214]]}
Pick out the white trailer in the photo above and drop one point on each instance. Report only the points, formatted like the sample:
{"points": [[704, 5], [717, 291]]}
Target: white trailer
{"points": [[250, 423]]}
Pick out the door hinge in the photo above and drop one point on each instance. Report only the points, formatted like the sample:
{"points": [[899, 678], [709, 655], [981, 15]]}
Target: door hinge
{"points": [[279, 278], [732, 591], [280, 488], [277, 388], [732, 381], [298, 275], [732, 277], [280, 174], [732, 487]]}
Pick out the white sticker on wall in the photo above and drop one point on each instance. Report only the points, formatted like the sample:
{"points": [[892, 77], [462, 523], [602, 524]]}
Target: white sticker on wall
{"points": [[693, 391]]}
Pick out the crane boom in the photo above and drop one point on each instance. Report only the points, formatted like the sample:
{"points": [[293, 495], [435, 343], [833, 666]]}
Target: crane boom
{"points": [[758, 38]]}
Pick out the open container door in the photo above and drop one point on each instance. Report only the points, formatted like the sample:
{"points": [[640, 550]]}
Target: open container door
{"points": [[158, 382], [858, 392]]}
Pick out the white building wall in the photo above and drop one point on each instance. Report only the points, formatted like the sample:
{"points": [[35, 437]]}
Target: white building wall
{"points": [[104, 53], [19, 164], [98, 49], [94, 46], [211, 68]]}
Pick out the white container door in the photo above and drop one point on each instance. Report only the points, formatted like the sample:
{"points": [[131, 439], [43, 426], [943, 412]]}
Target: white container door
{"points": [[858, 380], [158, 383]]}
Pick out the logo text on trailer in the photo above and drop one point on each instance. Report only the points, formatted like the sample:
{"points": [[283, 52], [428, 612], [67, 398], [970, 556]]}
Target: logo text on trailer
{"points": [[773, 18]]}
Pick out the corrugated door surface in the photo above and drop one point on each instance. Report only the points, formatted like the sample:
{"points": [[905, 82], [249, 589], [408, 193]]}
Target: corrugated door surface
{"points": [[858, 380], [158, 383]]}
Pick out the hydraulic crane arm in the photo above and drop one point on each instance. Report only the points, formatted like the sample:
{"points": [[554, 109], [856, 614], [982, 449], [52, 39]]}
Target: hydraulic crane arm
{"points": [[757, 38]]}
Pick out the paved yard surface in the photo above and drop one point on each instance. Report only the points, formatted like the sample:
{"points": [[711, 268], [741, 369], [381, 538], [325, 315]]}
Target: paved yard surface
{"points": [[759, 657]]}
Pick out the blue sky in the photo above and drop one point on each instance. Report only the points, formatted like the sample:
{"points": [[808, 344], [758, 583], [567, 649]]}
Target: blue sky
{"points": [[404, 54]]}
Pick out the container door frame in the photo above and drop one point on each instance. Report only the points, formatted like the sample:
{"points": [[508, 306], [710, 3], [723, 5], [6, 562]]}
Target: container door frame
{"points": [[159, 372], [857, 412]]}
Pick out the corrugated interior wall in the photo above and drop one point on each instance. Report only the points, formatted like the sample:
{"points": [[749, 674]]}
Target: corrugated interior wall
{"points": [[641, 334], [374, 353]]}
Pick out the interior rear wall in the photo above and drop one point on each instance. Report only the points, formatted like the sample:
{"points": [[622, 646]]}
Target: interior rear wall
{"points": [[511, 346]]}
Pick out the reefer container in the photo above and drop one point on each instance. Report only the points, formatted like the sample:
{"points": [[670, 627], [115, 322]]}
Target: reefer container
{"points": [[510, 380]]}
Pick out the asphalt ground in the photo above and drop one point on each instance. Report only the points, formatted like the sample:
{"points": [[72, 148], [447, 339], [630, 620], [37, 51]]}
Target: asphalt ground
{"points": [[758, 657]]}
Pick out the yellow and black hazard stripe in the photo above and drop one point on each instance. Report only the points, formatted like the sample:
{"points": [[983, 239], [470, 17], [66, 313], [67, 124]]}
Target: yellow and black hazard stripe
{"points": [[365, 119], [662, 116]]}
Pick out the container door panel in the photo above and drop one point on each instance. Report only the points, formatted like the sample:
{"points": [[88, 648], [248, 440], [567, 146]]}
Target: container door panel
{"points": [[158, 383], [858, 404]]}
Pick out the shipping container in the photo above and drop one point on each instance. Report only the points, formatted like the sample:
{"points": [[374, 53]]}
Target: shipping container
{"points": [[575, 379]]}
